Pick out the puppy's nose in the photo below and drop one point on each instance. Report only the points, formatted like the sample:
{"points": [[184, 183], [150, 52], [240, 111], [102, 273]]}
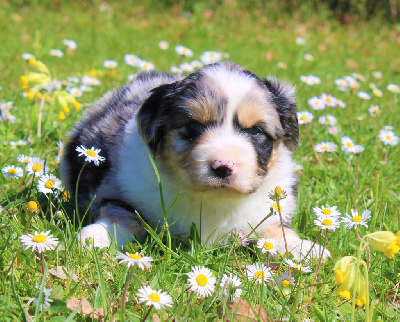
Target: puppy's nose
{"points": [[222, 169]]}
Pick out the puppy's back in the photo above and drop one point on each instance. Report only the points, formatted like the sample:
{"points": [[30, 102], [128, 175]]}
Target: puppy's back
{"points": [[102, 127]]}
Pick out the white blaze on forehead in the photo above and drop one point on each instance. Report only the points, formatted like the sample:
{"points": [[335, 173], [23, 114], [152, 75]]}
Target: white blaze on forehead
{"points": [[245, 100]]}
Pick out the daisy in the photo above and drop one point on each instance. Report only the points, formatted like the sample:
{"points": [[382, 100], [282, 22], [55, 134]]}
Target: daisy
{"points": [[329, 100], [358, 76], [340, 103], [300, 41], [354, 220], [11, 171], [186, 67], [56, 53], [231, 285], [304, 117], [377, 92], [18, 143], [347, 144], [239, 238], [327, 211], [259, 273], [88, 80], [90, 154], [357, 149], [27, 56], [35, 166], [71, 44], [183, 51], [325, 147], [175, 70], [327, 120], [110, 64], [134, 259], [145, 65], [40, 241], [374, 111], [393, 88], [46, 298], [86, 88], [132, 60], [201, 281], [150, 297], [281, 65], [284, 280], [316, 103], [268, 245], [163, 44], [351, 82], [298, 168], [23, 159], [377, 74], [388, 137], [327, 222], [196, 64], [364, 95], [75, 91], [301, 268], [308, 57], [210, 57], [341, 84], [49, 183]]}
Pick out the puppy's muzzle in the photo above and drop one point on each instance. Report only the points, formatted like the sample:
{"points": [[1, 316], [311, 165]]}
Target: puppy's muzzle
{"points": [[222, 169]]}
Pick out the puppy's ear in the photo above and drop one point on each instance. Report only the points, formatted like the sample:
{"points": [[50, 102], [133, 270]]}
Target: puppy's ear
{"points": [[283, 97], [153, 115]]}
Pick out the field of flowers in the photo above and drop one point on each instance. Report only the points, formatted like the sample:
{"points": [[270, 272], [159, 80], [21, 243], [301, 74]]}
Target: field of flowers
{"points": [[57, 59]]}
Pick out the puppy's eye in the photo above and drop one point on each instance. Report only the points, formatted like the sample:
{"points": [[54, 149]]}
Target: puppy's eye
{"points": [[255, 130], [193, 130]]}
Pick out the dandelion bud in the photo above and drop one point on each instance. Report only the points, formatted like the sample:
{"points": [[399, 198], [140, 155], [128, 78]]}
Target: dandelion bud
{"points": [[280, 193], [59, 215], [32, 208]]}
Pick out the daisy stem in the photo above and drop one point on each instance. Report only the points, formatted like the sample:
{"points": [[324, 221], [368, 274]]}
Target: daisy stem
{"points": [[356, 179], [259, 224], [39, 126], [376, 195], [365, 245], [237, 264], [320, 260], [76, 193], [283, 229], [313, 244], [312, 144], [385, 161], [124, 294], [147, 314]]}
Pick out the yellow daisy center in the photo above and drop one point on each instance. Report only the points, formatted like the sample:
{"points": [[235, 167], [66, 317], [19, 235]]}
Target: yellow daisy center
{"points": [[326, 211], [349, 144], [303, 118], [268, 246], [135, 256], [259, 274], [325, 148], [39, 239], [377, 112], [202, 280], [388, 137], [91, 152], [328, 119], [36, 167], [154, 297], [49, 184], [12, 171], [285, 283], [327, 222], [328, 100], [357, 219]]}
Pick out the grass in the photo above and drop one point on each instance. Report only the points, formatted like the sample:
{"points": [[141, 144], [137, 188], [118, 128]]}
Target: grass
{"points": [[258, 42]]}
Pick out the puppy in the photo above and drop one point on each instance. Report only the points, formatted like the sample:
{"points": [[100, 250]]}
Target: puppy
{"points": [[221, 139]]}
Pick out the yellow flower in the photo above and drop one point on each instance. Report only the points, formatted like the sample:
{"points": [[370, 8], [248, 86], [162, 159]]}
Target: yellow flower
{"points": [[343, 293], [77, 106], [339, 276], [32, 207], [391, 250], [380, 240], [345, 271], [61, 116], [398, 238], [361, 301]]}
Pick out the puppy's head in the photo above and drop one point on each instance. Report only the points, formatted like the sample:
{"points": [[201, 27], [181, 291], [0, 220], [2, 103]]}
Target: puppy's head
{"points": [[220, 127]]}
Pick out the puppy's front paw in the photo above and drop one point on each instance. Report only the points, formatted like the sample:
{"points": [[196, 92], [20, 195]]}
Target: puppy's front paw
{"points": [[98, 233], [303, 248]]}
